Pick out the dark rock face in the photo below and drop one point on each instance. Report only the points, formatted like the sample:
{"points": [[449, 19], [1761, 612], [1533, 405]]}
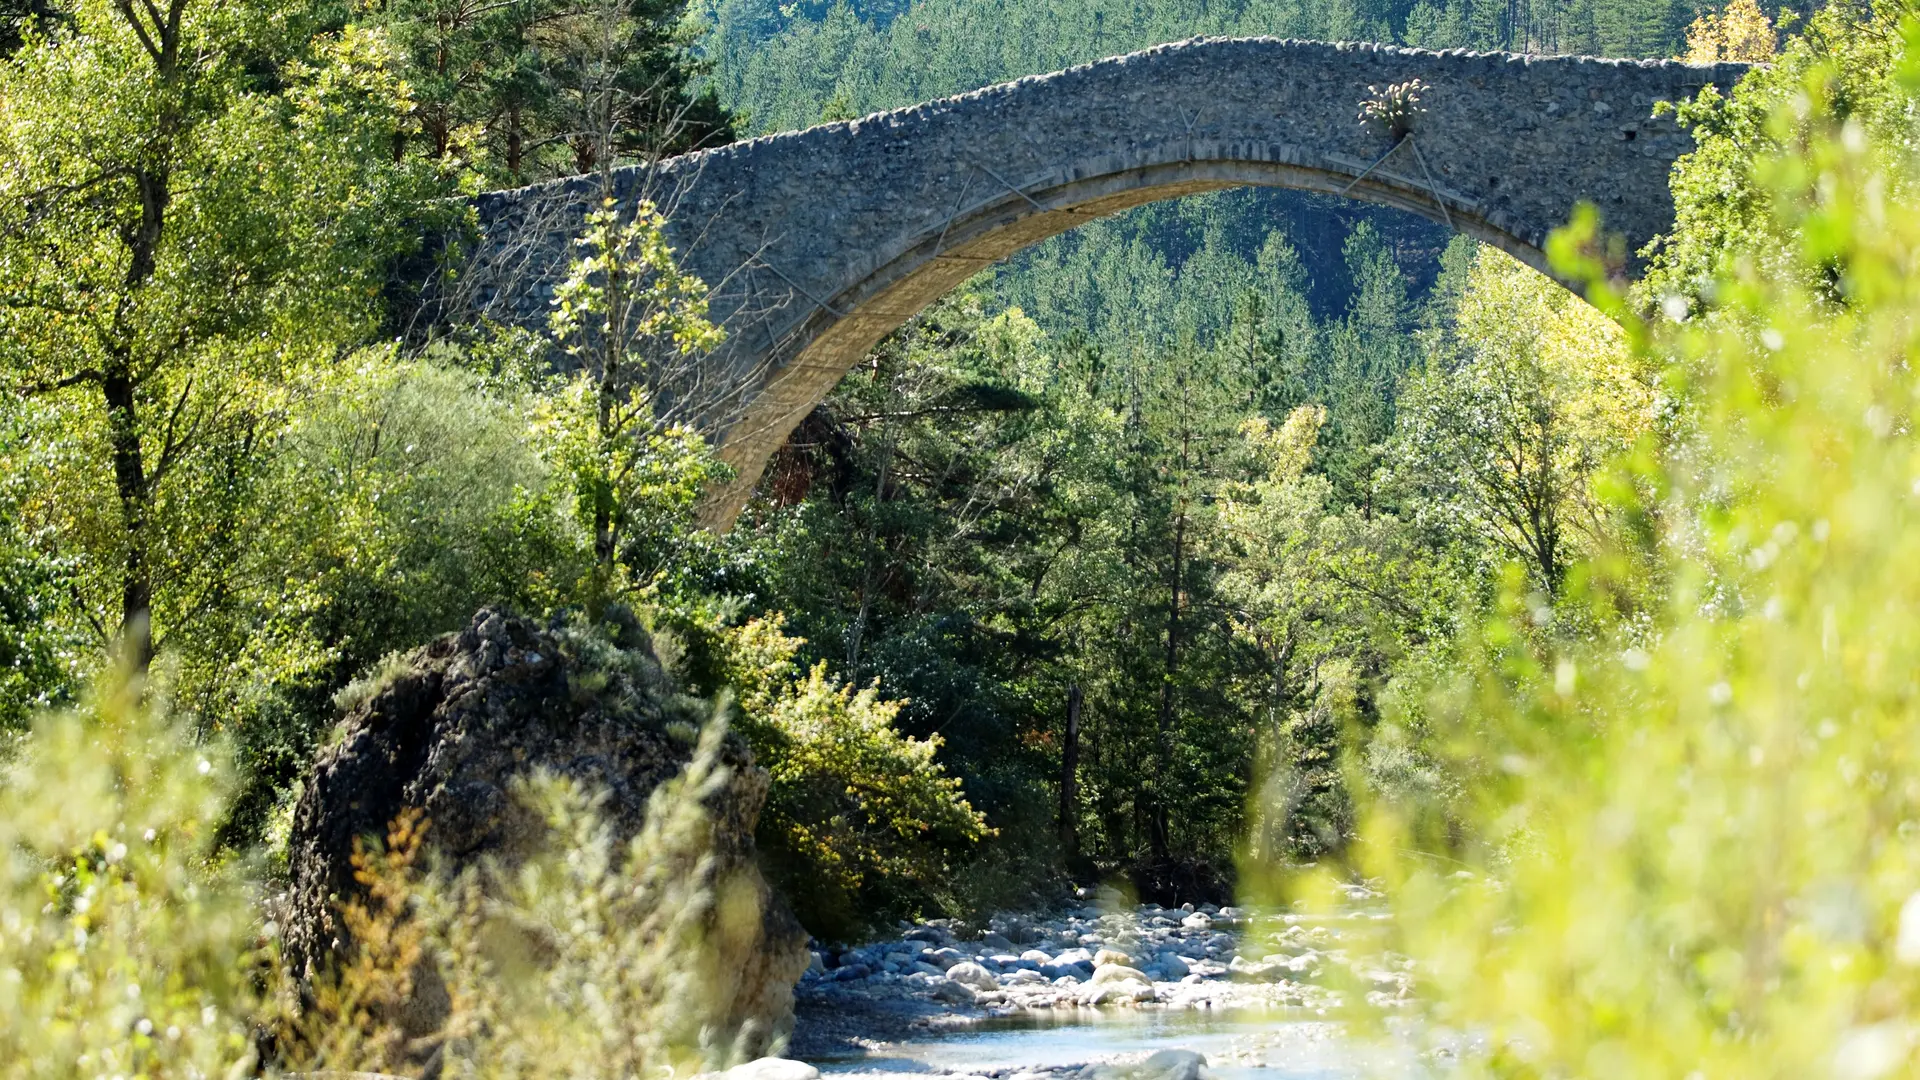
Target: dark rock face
{"points": [[472, 711]]}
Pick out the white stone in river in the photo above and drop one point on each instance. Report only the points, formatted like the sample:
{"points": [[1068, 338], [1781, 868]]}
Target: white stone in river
{"points": [[771, 1068], [1199, 920], [953, 993], [1110, 956], [1170, 1065], [973, 975], [1107, 973], [1116, 993], [1174, 966], [1022, 977], [1036, 957]]}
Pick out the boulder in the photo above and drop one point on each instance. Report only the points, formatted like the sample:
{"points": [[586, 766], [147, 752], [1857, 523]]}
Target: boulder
{"points": [[1116, 993], [1110, 956], [973, 975], [458, 721], [1169, 1065], [992, 942], [953, 993], [1163, 1065], [1107, 973]]}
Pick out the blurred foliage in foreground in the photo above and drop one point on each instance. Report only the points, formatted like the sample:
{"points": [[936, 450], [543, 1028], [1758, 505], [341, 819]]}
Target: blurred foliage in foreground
{"points": [[128, 949], [1688, 842]]}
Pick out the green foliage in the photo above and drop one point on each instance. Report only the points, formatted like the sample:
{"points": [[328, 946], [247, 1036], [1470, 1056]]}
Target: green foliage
{"points": [[132, 950], [1688, 842], [126, 947], [526, 90], [861, 822], [629, 317], [1845, 59], [42, 651], [780, 63], [198, 207], [1526, 396]]}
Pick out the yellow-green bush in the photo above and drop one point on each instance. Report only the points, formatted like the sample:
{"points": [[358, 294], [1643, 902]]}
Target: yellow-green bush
{"points": [[124, 951], [128, 949], [861, 820], [1690, 847]]}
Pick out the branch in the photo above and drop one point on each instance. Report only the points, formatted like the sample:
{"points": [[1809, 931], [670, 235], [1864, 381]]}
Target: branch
{"points": [[86, 375], [133, 20]]}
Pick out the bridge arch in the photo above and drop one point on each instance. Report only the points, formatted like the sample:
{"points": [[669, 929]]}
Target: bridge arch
{"points": [[819, 243]]}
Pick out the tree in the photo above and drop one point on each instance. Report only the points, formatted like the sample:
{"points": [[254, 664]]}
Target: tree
{"points": [[1521, 404], [521, 90], [182, 231], [1741, 32], [628, 315]]}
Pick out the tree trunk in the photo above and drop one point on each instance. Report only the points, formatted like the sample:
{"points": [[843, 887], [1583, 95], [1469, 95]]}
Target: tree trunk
{"points": [[1158, 821], [130, 485], [1069, 778]]}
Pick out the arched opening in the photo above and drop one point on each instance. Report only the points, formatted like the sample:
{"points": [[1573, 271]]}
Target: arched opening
{"points": [[842, 329]]}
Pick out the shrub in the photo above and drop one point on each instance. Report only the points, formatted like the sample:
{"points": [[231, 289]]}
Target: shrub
{"points": [[861, 822], [585, 959], [127, 948], [124, 948]]}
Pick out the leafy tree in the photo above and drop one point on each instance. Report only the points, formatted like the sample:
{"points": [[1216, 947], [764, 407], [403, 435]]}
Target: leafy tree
{"points": [[1692, 828], [1844, 58], [1503, 435], [181, 238], [628, 315], [527, 89], [1741, 32]]}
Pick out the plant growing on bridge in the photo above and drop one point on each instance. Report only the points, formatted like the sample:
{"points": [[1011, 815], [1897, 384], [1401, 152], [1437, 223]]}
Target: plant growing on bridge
{"points": [[1394, 111]]}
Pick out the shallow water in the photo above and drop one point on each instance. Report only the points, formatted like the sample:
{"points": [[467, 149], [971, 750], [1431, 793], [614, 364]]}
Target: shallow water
{"points": [[1238, 1046]]}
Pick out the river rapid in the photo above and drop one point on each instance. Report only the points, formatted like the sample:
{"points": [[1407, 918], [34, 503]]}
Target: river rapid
{"points": [[1104, 992]]}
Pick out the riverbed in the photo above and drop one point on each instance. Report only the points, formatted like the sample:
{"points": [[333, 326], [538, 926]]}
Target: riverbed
{"points": [[1091, 992]]}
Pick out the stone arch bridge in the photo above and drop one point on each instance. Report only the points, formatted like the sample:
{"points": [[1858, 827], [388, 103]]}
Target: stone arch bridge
{"points": [[819, 243]]}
